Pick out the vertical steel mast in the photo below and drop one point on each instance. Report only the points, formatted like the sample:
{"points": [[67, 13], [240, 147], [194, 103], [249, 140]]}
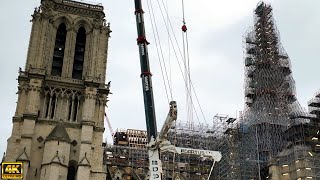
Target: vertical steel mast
{"points": [[145, 73], [155, 167], [155, 143]]}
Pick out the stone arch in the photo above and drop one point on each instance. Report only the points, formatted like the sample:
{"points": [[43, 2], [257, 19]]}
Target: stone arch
{"points": [[87, 25], [79, 54], [62, 18], [82, 22]]}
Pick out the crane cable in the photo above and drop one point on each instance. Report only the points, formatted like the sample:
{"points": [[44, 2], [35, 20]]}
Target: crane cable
{"points": [[162, 63], [173, 46], [177, 58], [170, 82], [186, 58], [155, 29]]}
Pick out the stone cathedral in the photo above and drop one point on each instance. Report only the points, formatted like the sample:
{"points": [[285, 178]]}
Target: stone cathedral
{"points": [[58, 125]]}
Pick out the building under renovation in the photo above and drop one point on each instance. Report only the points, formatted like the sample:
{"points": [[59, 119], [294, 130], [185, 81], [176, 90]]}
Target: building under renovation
{"points": [[274, 137], [58, 124], [270, 95], [127, 158]]}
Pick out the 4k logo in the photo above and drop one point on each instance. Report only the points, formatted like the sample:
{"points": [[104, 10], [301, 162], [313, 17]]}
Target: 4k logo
{"points": [[12, 170]]}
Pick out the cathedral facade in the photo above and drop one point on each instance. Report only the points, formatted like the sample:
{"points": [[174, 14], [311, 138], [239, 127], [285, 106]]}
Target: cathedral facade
{"points": [[58, 125]]}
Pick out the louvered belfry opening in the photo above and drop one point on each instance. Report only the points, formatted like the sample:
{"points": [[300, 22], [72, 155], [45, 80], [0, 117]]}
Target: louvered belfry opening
{"points": [[79, 54], [59, 47]]}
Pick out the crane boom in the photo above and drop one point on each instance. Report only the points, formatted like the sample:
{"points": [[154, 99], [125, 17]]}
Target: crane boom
{"points": [[172, 116], [154, 155], [145, 72], [109, 125], [157, 143]]}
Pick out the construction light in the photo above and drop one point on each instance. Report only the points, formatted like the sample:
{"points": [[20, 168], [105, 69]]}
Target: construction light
{"points": [[122, 157], [308, 168], [298, 170], [310, 153], [309, 177], [297, 161], [285, 165], [285, 174], [314, 139], [318, 132]]}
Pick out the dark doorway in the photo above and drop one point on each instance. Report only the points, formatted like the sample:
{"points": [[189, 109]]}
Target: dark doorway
{"points": [[72, 169]]}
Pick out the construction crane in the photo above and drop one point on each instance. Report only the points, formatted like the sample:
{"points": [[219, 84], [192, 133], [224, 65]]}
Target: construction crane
{"points": [[158, 143], [109, 125]]}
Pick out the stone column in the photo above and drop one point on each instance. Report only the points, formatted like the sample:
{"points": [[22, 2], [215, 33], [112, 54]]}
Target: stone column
{"points": [[88, 55], [101, 113], [83, 172], [85, 150], [93, 48], [22, 96], [87, 132], [102, 56], [69, 53], [34, 39], [48, 64], [14, 141], [31, 114], [44, 44], [26, 165]]}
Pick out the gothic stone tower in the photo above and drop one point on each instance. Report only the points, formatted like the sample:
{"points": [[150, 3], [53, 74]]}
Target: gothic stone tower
{"points": [[59, 120]]}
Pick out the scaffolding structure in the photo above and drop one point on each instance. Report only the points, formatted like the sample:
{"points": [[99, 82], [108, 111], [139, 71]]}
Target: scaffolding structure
{"points": [[128, 157], [272, 111], [300, 159], [200, 136], [229, 144], [273, 138]]}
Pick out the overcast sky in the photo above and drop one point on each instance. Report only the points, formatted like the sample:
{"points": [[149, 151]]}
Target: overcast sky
{"points": [[215, 30]]}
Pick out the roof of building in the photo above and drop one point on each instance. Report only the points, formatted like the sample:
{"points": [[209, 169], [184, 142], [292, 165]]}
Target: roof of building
{"points": [[59, 133]]}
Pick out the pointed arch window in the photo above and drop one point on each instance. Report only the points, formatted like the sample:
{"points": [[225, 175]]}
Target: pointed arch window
{"points": [[73, 108], [59, 47], [50, 102], [79, 54]]}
